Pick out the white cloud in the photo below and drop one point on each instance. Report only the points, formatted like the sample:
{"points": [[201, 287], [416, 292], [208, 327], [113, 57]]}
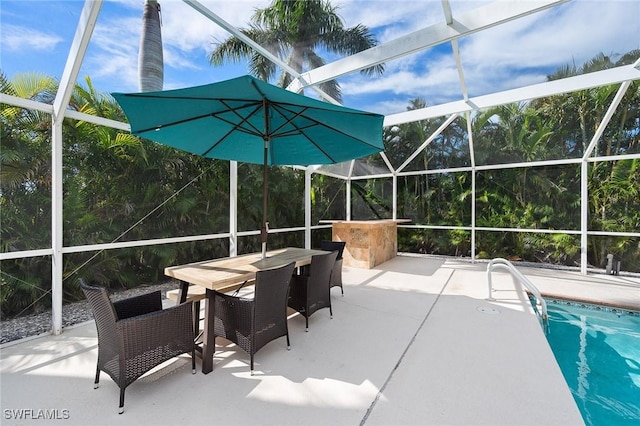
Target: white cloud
{"points": [[416, 81], [580, 28], [118, 68], [185, 28], [16, 38], [113, 53], [428, 75], [389, 106], [518, 53], [390, 18]]}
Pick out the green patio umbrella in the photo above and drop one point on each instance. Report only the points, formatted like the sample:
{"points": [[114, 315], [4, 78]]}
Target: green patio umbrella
{"points": [[248, 120]]}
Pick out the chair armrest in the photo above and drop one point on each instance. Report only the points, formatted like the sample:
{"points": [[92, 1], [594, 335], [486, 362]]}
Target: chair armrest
{"points": [[138, 305], [171, 327]]}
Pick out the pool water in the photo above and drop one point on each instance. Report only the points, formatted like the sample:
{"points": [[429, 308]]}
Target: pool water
{"points": [[598, 350]]}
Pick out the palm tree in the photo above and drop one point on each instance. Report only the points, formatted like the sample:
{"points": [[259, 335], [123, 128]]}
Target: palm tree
{"points": [[294, 30], [150, 60]]}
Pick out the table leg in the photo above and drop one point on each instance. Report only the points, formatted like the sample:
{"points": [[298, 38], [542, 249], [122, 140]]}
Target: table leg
{"points": [[182, 293], [208, 344]]}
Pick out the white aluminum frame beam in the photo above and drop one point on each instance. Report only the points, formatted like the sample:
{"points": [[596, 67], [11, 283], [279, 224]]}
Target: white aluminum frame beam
{"points": [[535, 91], [464, 24], [473, 185], [584, 175], [428, 141], [26, 103], [233, 208], [86, 24], [307, 208]]}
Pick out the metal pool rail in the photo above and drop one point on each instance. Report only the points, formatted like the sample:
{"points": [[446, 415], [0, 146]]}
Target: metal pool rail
{"points": [[500, 263]]}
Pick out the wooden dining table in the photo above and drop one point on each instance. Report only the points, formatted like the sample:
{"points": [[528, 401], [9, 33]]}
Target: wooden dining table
{"points": [[226, 274]]}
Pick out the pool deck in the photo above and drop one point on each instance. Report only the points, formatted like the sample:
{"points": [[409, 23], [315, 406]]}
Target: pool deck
{"points": [[413, 342]]}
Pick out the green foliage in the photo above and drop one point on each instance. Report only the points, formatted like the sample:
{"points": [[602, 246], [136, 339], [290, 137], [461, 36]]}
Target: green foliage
{"points": [[328, 199], [120, 188], [116, 188]]}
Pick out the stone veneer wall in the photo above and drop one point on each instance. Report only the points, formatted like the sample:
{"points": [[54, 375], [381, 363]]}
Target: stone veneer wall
{"points": [[369, 243]]}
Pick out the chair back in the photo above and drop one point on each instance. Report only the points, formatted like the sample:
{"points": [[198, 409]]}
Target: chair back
{"points": [[271, 293], [105, 316], [319, 275], [333, 245]]}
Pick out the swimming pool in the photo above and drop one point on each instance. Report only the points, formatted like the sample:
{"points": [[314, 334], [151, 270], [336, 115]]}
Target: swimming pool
{"points": [[598, 350]]}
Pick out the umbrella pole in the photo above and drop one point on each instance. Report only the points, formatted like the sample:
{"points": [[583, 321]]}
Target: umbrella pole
{"points": [[265, 224]]}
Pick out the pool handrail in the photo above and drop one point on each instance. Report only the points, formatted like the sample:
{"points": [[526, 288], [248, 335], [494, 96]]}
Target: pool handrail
{"points": [[500, 263]]}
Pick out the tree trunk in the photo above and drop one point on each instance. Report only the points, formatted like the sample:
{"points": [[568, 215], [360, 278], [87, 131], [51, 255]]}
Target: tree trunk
{"points": [[150, 60]]}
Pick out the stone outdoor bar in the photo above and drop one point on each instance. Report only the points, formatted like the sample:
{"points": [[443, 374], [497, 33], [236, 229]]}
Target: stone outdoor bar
{"points": [[369, 242]]}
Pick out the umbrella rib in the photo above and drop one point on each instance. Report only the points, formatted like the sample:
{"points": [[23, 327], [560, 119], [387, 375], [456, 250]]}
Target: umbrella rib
{"points": [[326, 154], [348, 111], [173, 123], [195, 98], [243, 120], [210, 114], [236, 126], [300, 130], [318, 123], [224, 101], [289, 120]]}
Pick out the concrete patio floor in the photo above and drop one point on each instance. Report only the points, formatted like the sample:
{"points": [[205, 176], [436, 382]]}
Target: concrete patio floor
{"points": [[412, 342]]}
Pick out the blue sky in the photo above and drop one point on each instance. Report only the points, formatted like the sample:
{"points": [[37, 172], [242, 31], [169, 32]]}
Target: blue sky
{"points": [[36, 36]]}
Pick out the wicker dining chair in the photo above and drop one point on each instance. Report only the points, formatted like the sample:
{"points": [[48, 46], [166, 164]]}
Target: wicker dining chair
{"points": [[311, 291], [336, 272], [252, 322], [136, 334]]}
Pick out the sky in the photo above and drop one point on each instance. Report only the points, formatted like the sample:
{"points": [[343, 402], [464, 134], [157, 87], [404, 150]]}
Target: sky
{"points": [[35, 36]]}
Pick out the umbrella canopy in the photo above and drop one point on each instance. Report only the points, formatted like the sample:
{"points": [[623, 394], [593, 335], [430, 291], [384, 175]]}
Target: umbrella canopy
{"points": [[248, 120]]}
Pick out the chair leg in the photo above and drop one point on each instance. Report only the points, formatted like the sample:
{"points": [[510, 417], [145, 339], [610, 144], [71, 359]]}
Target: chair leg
{"points": [[342, 290], [288, 343], [252, 364], [196, 317], [96, 384], [306, 318], [121, 410], [196, 334], [330, 312]]}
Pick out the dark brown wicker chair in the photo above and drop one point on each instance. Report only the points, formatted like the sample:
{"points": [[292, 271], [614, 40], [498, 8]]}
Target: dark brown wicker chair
{"points": [[252, 322], [136, 334], [311, 291], [336, 273]]}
